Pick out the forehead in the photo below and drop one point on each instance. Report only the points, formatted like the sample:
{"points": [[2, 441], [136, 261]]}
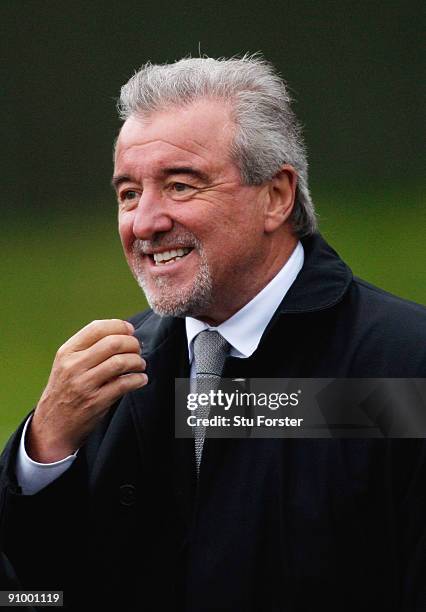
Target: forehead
{"points": [[198, 133]]}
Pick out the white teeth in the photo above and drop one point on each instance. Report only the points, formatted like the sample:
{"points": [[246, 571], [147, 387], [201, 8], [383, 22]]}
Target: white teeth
{"points": [[167, 256]]}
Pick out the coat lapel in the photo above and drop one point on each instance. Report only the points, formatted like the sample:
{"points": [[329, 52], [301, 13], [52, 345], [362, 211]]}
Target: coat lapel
{"points": [[153, 412]]}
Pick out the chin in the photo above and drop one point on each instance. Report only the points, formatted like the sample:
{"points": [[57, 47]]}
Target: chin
{"points": [[181, 303], [189, 301]]}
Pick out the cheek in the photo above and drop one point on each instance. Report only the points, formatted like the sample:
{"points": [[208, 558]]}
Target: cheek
{"points": [[242, 241], [225, 235], [125, 230]]}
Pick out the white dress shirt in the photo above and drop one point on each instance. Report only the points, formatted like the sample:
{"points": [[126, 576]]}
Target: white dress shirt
{"points": [[243, 331]]}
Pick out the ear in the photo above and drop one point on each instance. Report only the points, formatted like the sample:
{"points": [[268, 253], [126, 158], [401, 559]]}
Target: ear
{"points": [[282, 194]]}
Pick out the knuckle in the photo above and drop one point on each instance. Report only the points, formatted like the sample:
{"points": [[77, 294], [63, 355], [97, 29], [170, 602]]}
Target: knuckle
{"points": [[122, 385], [74, 391], [118, 323], [128, 383], [114, 344], [136, 365], [90, 399], [135, 343], [124, 325], [94, 323], [116, 363], [60, 352], [133, 359], [66, 367], [140, 363], [98, 324]]}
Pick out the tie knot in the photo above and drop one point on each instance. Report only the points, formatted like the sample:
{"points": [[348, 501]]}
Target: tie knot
{"points": [[210, 350]]}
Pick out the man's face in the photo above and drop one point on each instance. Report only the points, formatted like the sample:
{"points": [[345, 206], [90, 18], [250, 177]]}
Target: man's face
{"points": [[193, 235]]}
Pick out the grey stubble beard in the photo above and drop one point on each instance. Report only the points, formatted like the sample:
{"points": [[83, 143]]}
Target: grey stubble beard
{"points": [[186, 301]]}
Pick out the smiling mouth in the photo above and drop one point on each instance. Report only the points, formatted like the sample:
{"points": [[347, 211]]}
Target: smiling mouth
{"points": [[167, 257]]}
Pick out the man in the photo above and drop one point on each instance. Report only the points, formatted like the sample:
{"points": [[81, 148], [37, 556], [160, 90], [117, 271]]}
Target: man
{"points": [[98, 497]]}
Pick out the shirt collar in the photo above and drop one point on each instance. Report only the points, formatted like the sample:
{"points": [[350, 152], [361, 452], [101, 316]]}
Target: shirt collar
{"points": [[244, 329]]}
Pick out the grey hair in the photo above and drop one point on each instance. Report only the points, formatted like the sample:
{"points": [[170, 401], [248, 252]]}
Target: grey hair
{"points": [[268, 133]]}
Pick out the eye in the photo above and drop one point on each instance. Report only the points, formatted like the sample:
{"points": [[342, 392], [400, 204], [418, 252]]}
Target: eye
{"points": [[128, 198], [130, 194], [180, 187], [180, 191]]}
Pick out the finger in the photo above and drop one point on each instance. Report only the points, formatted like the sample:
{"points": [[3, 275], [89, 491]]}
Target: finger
{"points": [[114, 366], [114, 389], [107, 347], [96, 330]]}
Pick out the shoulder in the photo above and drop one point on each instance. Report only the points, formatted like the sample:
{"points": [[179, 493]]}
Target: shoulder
{"points": [[386, 331], [380, 304]]}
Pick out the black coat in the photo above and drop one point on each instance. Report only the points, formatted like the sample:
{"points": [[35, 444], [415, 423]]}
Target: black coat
{"points": [[274, 525]]}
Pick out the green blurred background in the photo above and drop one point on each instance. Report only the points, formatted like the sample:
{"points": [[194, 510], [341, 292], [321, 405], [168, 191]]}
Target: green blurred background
{"points": [[355, 69]]}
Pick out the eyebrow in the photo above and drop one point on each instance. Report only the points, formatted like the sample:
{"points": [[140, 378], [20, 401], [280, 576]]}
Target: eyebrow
{"points": [[185, 170], [118, 179]]}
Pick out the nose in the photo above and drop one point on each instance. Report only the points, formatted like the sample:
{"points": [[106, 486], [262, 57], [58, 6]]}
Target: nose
{"points": [[151, 216]]}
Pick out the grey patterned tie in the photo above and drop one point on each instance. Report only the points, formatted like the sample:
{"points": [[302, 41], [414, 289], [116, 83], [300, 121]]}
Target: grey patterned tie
{"points": [[210, 350]]}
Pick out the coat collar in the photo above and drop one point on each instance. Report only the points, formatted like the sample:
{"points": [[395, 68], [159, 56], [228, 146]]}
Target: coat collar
{"points": [[321, 283]]}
